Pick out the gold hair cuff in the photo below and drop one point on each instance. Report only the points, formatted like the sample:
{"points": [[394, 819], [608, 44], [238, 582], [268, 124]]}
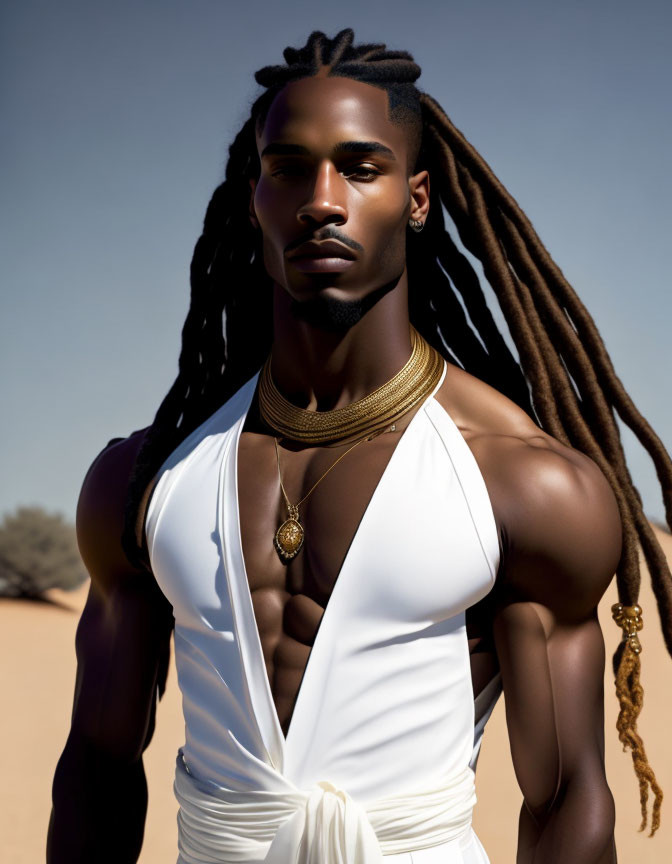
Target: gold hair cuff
{"points": [[630, 619]]}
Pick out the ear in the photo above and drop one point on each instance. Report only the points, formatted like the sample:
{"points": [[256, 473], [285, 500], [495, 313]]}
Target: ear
{"points": [[253, 213], [418, 185]]}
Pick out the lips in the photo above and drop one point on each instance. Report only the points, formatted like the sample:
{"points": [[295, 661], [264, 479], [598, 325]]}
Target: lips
{"points": [[325, 256], [323, 249]]}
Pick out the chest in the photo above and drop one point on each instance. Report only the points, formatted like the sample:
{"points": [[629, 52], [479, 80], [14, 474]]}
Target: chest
{"points": [[401, 520], [332, 487]]}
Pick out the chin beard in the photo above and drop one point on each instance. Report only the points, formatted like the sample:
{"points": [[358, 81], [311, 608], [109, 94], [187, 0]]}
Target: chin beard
{"points": [[335, 315]]}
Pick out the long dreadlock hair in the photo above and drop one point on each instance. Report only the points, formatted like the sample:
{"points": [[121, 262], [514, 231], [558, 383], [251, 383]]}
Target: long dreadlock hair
{"points": [[564, 378]]}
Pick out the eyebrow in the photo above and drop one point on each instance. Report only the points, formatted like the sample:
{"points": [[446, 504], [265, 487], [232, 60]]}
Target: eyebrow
{"points": [[278, 149]]}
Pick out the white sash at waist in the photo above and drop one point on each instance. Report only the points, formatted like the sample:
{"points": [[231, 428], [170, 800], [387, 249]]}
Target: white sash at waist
{"points": [[322, 825]]}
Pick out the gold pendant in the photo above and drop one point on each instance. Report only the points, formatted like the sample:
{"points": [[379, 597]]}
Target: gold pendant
{"points": [[288, 538]]}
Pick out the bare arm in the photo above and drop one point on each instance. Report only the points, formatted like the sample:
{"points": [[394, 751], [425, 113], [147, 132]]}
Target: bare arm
{"points": [[122, 644], [563, 547]]}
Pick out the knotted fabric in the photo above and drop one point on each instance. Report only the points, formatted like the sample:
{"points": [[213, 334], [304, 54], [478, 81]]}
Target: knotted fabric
{"points": [[322, 825]]}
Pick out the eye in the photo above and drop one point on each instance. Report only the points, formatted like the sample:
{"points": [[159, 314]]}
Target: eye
{"points": [[288, 170], [364, 173]]}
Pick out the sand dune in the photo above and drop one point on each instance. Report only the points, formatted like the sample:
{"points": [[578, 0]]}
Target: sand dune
{"points": [[37, 646]]}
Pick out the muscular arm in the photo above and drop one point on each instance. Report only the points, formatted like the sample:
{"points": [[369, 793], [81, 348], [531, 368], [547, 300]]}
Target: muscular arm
{"points": [[564, 539], [122, 644]]}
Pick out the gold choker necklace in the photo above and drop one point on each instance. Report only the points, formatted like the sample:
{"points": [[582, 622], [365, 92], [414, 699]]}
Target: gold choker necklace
{"points": [[374, 412]]}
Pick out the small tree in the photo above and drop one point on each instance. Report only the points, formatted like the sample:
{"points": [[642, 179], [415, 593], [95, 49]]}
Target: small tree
{"points": [[38, 550]]}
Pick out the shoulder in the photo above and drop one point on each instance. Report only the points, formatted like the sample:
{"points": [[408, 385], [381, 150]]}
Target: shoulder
{"points": [[562, 506], [556, 512], [562, 524], [101, 507]]}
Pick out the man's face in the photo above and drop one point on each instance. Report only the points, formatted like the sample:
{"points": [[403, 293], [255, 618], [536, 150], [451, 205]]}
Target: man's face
{"points": [[334, 194]]}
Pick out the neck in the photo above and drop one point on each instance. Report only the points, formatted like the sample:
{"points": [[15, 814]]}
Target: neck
{"points": [[320, 370]]}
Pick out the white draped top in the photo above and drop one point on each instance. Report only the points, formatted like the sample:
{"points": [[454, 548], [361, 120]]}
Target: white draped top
{"points": [[385, 706]]}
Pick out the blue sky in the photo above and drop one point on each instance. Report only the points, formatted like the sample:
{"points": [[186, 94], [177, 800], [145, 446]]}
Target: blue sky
{"points": [[116, 121]]}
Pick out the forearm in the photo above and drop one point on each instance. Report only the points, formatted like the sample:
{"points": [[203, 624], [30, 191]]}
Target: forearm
{"points": [[99, 808], [578, 828]]}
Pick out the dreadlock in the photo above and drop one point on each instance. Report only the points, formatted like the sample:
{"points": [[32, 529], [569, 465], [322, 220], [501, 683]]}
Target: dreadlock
{"points": [[564, 378]]}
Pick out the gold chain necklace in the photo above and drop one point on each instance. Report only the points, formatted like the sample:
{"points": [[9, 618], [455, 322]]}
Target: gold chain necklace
{"points": [[290, 535], [374, 412]]}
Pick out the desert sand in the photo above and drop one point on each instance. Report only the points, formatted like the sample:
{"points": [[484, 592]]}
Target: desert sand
{"points": [[37, 678]]}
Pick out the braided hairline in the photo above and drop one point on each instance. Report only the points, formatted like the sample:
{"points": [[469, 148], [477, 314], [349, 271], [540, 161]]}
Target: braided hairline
{"points": [[563, 361]]}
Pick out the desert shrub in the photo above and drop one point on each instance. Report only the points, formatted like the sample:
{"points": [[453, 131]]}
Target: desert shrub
{"points": [[38, 550]]}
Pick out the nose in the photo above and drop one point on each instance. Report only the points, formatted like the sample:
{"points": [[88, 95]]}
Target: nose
{"points": [[327, 199]]}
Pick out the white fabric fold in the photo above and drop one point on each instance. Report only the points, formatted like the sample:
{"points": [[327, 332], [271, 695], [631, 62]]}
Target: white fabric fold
{"points": [[328, 827], [322, 825]]}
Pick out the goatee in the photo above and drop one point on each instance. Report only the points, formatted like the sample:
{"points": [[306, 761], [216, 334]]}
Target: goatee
{"points": [[335, 315]]}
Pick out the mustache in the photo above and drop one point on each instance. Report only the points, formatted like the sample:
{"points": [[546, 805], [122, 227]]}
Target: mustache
{"points": [[329, 232]]}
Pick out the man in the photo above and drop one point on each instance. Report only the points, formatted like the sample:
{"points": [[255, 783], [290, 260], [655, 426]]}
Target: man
{"points": [[359, 539]]}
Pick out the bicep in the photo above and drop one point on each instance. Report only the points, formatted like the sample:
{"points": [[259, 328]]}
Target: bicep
{"points": [[121, 644], [552, 675], [123, 635], [565, 545]]}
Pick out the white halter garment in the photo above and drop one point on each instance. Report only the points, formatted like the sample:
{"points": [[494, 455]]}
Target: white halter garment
{"points": [[384, 736]]}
